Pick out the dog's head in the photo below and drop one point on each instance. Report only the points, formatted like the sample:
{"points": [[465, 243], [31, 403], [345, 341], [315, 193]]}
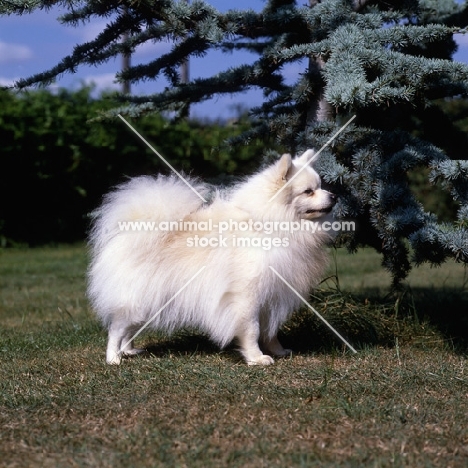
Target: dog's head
{"points": [[303, 186]]}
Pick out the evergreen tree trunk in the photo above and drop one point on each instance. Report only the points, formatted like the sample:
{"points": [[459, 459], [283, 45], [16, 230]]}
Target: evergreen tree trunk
{"points": [[320, 110], [126, 60], [184, 79]]}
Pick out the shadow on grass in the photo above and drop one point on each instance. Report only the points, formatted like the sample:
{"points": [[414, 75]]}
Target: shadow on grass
{"points": [[418, 316], [445, 309], [303, 333], [360, 320], [424, 316], [186, 342]]}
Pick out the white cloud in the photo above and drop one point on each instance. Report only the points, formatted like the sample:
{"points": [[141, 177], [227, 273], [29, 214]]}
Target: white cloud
{"points": [[7, 81], [102, 82], [89, 31], [14, 52], [153, 49]]}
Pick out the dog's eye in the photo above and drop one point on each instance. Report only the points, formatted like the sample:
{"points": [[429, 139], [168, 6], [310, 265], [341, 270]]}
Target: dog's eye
{"points": [[309, 191]]}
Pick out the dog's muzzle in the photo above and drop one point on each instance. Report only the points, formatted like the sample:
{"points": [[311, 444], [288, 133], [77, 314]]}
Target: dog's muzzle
{"points": [[326, 209]]}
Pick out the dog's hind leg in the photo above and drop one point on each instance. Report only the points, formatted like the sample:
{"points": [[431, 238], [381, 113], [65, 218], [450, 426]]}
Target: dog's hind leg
{"points": [[274, 347], [120, 342]]}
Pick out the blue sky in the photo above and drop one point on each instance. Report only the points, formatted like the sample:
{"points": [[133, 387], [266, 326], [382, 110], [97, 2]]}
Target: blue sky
{"points": [[33, 43]]}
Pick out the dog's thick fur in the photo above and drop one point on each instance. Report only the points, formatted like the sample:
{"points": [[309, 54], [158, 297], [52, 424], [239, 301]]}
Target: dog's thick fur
{"points": [[140, 277]]}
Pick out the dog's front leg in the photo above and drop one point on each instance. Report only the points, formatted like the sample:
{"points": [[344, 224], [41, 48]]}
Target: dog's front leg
{"points": [[248, 338], [120, 342]]}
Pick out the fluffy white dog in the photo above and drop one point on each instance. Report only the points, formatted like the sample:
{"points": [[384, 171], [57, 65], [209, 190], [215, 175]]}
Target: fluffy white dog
{"points": [[210, 267]]}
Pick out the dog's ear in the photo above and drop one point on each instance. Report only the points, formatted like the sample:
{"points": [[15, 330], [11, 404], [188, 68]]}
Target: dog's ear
{"points": [[284, 166], [308, 157]]}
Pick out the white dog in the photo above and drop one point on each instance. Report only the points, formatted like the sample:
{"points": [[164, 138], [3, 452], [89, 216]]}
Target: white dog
{"points": [[215, 275]]}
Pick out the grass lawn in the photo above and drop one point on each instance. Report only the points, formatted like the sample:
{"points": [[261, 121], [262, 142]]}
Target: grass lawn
{"points": [[401, 401]]}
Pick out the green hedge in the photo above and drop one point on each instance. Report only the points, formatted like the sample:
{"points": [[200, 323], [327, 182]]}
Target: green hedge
{"points": [[56, 164]]}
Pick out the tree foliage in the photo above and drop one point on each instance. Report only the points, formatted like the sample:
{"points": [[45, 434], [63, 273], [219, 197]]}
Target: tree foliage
{"points": [[388, 63]]}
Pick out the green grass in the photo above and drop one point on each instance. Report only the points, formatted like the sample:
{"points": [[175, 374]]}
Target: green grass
{"points": [[362, 271], [401, 401]]}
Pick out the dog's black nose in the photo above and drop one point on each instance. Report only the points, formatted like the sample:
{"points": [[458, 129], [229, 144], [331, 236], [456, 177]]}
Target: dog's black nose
{"points": [[333, 197]]}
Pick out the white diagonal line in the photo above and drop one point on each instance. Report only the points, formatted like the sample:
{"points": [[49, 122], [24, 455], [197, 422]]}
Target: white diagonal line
{"points": [[313, 310], [122, 348], [315, 155], [162, 159]]}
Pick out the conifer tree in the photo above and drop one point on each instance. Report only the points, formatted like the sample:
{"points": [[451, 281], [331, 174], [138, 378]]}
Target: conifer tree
{"points": [[387, 63]]}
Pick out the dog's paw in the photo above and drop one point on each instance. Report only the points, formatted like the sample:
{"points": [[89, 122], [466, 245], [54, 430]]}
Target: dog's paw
{"points": [[262, 360], [114, 360]]}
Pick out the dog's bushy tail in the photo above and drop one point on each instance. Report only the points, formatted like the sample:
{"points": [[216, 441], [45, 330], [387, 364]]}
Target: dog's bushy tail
{"points": [[144, 199]]}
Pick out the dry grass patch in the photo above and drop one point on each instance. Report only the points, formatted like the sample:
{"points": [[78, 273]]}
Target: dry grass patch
{"points": [[401, 401], [374, 409]]}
